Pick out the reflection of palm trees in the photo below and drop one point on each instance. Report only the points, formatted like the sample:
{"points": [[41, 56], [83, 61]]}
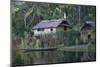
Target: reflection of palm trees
{"points": [[88, 56]]}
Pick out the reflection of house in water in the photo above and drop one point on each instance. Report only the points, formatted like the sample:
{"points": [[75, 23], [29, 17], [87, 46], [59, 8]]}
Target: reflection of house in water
{"points": [[50, 26], [87, 32]]}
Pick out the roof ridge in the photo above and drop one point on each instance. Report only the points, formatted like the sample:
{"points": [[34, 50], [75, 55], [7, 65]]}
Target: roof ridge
{"points": [[48, 23]]}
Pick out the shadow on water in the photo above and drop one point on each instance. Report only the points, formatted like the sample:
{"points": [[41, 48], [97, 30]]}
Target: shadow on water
{"points": [[48, 57]]}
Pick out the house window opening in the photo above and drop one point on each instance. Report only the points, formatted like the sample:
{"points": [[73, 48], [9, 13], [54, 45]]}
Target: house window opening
{"points": [[51, 29], [40, 29]]}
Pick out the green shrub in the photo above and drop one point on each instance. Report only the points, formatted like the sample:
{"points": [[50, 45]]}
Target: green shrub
{"points": [[69, 37]]}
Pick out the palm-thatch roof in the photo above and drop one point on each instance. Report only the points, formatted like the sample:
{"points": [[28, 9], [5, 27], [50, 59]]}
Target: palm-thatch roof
{"points": [[51, 24]]}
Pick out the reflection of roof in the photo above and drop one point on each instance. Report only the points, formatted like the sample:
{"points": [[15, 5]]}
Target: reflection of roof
{"points": [[88, 25], [50, 23]]}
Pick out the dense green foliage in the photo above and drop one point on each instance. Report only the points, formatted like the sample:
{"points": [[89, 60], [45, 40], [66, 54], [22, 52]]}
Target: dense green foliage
{"points": [[27, 14]]}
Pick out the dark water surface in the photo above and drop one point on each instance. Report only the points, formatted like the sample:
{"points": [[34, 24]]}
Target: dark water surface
{"points": [[48, 57]]}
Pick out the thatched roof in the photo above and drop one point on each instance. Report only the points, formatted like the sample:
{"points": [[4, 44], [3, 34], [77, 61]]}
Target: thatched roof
{"points": [[50, 23], [88, 25]]}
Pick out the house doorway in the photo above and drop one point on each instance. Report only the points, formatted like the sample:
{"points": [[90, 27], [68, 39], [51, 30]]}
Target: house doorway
{"points": [[65, 28], [89, 38]]}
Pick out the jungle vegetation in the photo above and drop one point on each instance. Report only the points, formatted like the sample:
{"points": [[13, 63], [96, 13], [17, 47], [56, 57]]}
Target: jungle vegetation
{"points": [[27, 14]]}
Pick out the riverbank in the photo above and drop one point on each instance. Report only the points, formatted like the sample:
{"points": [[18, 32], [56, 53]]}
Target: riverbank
{"points": [[79, 48]]}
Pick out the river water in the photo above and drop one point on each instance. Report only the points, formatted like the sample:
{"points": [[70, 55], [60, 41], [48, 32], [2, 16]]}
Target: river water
{"points": [[53, 57]]}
